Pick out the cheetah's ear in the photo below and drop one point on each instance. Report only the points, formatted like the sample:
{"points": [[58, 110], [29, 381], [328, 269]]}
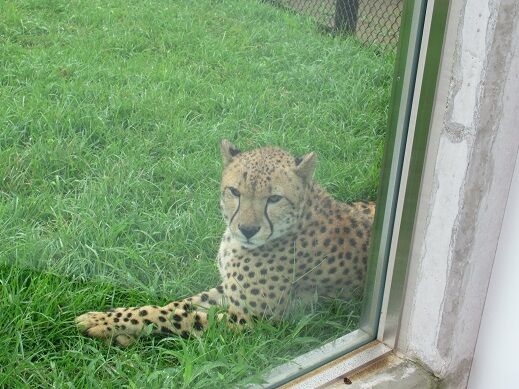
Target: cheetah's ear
{"points": [[305, 166], [229, 151]]}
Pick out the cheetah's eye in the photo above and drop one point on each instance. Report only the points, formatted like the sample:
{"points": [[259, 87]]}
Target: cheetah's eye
{"points": [[274, 199], [235, 192]]}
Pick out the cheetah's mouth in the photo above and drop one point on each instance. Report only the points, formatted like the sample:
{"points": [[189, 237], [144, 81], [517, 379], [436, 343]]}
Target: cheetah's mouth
{"points": [[248, 244]]}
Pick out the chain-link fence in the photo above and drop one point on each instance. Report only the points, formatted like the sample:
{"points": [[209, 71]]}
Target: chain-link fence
{"points": [[372, 21]]}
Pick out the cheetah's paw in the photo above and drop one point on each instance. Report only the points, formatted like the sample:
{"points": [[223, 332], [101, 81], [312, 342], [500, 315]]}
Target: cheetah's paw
{"points": [[100, 326]]}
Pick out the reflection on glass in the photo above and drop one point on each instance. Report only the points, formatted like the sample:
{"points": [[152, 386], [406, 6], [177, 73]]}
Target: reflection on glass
{"points": [[110, 184]]}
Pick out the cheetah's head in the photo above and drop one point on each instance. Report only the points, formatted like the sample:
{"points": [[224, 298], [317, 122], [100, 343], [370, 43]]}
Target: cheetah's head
{"points": [[263, 192]]}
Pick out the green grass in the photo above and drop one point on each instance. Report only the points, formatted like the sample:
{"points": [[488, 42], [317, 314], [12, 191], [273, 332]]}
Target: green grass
{"points": [[109, 166]]}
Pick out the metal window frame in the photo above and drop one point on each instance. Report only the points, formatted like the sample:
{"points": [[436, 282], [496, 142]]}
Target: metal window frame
{"points": [[416, 75]]}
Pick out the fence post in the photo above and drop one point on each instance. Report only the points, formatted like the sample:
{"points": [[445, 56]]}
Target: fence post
{"points": [[346, 13]]}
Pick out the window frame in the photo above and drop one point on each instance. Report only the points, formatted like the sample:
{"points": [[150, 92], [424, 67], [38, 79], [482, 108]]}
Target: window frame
{"points": [[416, 74]]}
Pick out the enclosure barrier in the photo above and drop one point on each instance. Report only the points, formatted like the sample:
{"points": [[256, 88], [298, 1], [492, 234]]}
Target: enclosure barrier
{"points": [[371, 21]]}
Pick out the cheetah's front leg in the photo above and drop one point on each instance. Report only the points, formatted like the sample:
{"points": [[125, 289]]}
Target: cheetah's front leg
{"points": [[202, 301], [124, 325]]}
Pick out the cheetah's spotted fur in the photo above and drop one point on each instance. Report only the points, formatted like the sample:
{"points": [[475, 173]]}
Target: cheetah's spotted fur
{"points": [[286, 238]]}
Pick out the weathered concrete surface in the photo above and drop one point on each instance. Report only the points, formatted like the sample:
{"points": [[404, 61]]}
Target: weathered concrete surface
{"points": [[474, 138], [389, 373]]}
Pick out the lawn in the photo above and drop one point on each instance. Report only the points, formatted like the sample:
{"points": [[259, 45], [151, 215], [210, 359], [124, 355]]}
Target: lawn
{"points": [[111, 114]]}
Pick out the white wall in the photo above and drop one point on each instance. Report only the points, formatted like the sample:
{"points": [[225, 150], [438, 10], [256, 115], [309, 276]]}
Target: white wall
{"points": [[470, 158], [495, 362]]}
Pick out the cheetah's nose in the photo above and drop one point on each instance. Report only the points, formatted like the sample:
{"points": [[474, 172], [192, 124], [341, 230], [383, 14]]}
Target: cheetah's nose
{"points": [[248, 231]]}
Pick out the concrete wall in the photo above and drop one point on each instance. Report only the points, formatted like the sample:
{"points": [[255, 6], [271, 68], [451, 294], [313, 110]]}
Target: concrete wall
{"points": [[470, 159]]}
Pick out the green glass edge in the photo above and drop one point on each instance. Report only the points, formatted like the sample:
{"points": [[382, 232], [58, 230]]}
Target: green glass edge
{"points": [[417, 159], [392, 164]]}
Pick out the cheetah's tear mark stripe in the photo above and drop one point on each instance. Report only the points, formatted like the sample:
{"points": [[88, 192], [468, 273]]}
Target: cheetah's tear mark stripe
{"points": [[235, 212], [268, 219]]}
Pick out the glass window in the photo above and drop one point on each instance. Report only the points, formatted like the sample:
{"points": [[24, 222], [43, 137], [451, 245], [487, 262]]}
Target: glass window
{"points": [[206, 187]]}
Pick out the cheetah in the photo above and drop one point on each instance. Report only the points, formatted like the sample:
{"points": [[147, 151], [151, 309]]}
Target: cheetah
{"points": [[285, 238]]}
